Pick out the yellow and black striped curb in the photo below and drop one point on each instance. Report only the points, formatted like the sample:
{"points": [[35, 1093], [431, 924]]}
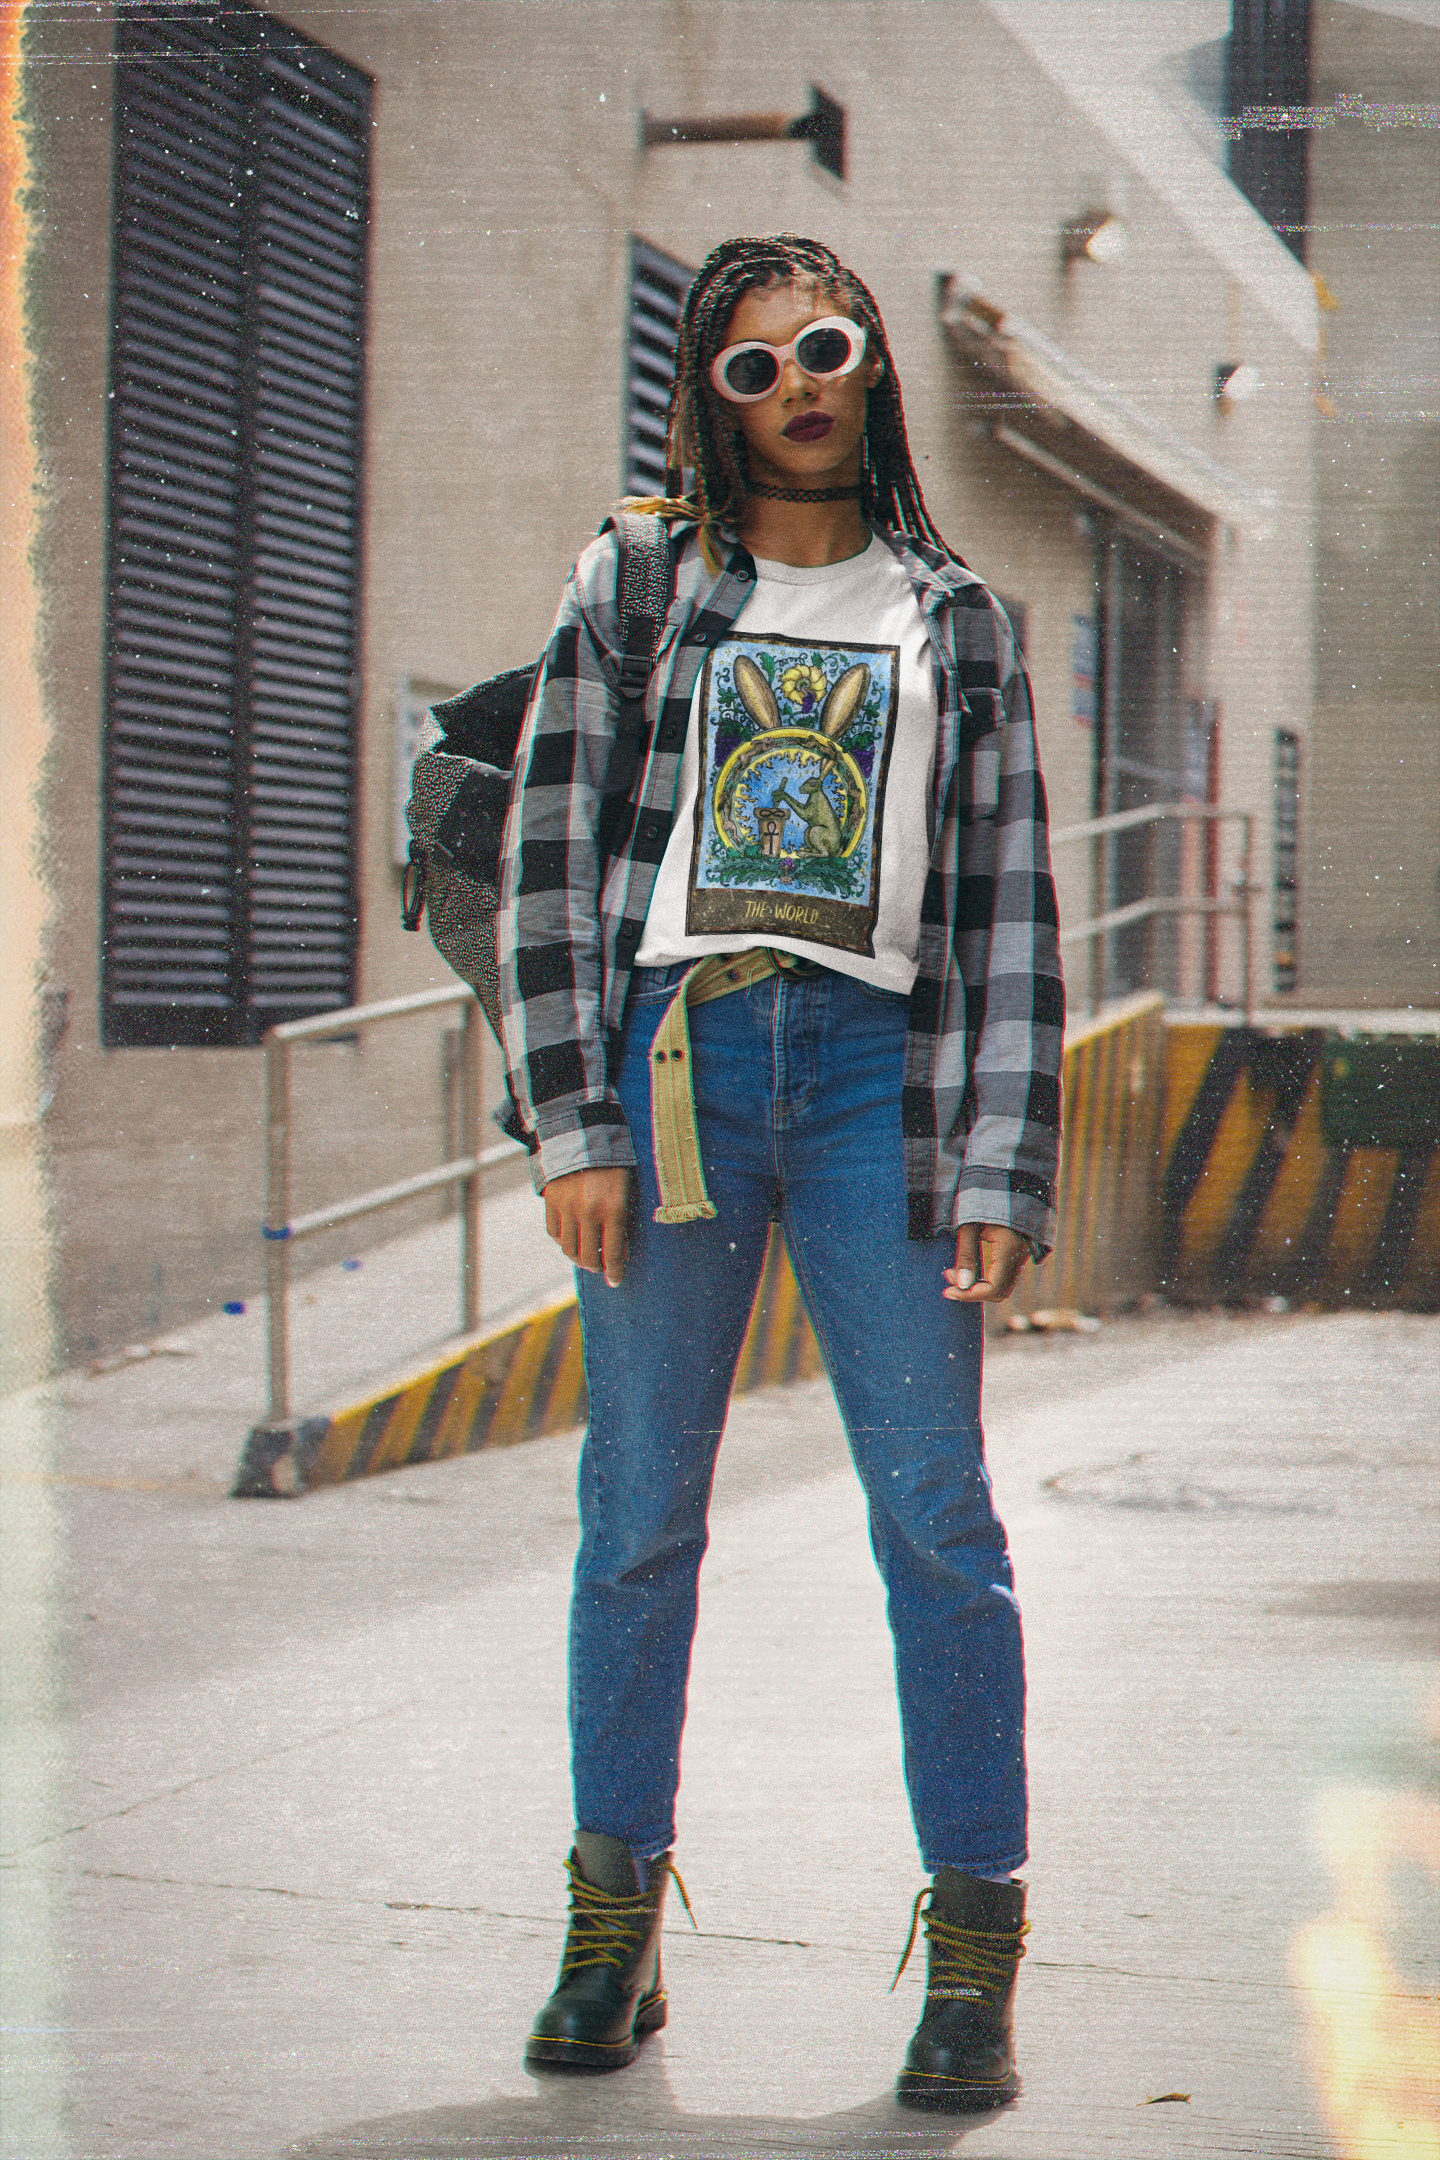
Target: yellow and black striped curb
{"points": [[1301, 1163], [516, 1385], [529, 1379], [1105, 1193], [1213, 1160]]}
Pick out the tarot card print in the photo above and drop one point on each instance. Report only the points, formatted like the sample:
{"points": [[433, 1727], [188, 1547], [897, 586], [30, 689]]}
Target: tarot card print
{"points": [[795, 742]]}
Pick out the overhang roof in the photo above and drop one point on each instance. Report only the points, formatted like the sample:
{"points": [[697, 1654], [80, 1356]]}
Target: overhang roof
{"points": [[1102, 60], [1036, 399]]}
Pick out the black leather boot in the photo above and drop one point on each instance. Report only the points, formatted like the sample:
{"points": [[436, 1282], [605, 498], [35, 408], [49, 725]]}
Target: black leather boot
{"points": [[960, 2053], [609, 1991]]}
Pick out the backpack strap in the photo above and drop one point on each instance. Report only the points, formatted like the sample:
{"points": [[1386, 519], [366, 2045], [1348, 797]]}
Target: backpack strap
{"points": [[644, 585]]}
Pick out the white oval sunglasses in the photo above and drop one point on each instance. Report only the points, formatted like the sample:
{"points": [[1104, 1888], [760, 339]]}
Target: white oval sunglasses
{"points": [[745, 373]]}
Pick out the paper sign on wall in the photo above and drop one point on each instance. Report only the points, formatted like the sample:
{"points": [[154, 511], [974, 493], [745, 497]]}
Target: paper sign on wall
{"points": [[1084, 653]]}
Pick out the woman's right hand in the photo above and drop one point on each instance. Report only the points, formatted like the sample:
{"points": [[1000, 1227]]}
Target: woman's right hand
{"points": [[586, 1214]]}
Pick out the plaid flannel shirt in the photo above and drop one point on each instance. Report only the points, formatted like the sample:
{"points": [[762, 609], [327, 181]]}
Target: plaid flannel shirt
{"points": [[979, 1114]]}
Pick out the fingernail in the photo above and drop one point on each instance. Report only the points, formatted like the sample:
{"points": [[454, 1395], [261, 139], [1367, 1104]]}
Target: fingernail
{"points": [[965, 1277], [950, 1293]]}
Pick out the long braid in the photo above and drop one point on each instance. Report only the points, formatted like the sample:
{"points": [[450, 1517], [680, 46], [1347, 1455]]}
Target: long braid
{"points": [[699, 433]]}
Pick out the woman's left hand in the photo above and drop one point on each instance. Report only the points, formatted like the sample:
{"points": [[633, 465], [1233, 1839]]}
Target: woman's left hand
{"points": [[1006, 1252]]}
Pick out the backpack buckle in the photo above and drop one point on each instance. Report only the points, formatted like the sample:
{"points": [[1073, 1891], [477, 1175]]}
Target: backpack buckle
{"points": [[412, 889]]}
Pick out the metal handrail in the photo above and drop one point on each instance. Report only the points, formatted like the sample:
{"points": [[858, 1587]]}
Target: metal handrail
{"points": [[281, 1230], [1118, 821]]}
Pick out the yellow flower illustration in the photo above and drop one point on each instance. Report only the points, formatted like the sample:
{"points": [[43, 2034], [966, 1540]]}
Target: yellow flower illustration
{"points": [[803, 686]]}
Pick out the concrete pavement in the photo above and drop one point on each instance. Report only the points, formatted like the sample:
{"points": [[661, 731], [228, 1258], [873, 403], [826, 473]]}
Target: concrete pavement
{"points": [[287, 1797]]}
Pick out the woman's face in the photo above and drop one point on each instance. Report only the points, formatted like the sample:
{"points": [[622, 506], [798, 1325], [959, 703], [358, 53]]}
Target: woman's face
{"points": [[807, 432]]}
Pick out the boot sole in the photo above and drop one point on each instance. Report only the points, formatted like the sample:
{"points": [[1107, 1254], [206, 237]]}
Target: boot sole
{"points": [[599, 2054], [955, 2096]]}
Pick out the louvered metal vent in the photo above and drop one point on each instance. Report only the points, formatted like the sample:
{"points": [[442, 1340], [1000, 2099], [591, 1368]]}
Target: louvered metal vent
{"points": [[1287, 858], [658, 286], [240, 207]]}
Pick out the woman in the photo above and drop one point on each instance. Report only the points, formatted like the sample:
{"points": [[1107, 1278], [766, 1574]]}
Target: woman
{"points": [[814, 977]]}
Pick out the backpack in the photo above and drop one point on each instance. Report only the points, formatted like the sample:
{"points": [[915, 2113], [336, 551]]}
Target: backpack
{"points": [[460, 790]]}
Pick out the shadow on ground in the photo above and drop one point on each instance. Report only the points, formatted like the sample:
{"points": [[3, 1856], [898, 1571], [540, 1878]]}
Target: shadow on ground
{"points": [[579, 2115]]}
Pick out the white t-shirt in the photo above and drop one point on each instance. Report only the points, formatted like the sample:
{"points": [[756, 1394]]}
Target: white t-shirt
{"points": [[801, 814]]}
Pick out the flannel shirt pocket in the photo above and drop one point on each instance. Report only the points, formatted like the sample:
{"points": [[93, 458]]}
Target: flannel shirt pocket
{"points": [[982, 712]]}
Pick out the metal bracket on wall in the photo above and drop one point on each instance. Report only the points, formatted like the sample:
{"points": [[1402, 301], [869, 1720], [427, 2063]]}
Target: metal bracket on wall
{"points": [[823, 125]]}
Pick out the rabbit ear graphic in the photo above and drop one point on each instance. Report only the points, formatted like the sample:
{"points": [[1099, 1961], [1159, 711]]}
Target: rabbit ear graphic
{"points": [[755, 693], [844, 701]]}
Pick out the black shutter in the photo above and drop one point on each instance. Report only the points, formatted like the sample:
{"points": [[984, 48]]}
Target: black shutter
{"points": [[658, 285], [174, 580], [307, 302], [240, 219]]}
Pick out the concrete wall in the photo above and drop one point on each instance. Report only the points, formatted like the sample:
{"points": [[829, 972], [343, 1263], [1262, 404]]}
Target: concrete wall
{"points": [[1369, 928], [156, 1156], [506, 184]]}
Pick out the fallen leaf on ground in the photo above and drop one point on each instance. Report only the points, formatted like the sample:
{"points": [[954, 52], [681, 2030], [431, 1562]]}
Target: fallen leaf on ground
{"points": [[1159, 2099]]}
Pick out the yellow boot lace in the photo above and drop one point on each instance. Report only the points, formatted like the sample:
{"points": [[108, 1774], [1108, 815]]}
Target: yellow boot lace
{"points": [[606, 1927], [964, 1963]]}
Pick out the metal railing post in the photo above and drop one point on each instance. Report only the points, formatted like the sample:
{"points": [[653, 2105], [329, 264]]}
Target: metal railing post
{"points": [[470, 1186], [1094, 957], [1101, 929], [282, 1230], [1246, 996], [277, 1222], [1113, 607]]}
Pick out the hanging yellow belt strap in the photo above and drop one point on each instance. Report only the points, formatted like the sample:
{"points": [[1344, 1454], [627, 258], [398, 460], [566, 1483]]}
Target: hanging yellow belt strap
{"points": [[678, 1170]]}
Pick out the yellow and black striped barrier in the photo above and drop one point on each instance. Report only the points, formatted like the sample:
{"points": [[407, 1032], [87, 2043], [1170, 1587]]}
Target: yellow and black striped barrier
{"points": [[530, 1378], [1105, 1245], [513, 1386], [1300, 1163], [1289, 1161]]}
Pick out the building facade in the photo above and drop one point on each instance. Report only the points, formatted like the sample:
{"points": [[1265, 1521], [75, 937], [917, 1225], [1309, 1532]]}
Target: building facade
{"points": [[350, 328], [1369, 903]]}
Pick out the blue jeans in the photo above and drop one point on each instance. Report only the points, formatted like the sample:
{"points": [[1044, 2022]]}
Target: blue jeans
{"points": [[797, 1088]]}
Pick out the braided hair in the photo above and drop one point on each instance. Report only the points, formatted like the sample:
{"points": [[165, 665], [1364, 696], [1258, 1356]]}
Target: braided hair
{"points": [[700, 433]]}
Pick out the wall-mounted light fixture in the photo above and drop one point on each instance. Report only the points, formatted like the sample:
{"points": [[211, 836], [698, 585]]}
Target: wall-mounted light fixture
{"points": [[823, 126], [1236, 382], [1099, 236]]}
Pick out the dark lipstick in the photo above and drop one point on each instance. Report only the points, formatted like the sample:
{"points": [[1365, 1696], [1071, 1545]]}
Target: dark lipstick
{"points": [[808, 427]]}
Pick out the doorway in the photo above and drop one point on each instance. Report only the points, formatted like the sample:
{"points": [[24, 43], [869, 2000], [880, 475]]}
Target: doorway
{"points": [[1145, 607]]}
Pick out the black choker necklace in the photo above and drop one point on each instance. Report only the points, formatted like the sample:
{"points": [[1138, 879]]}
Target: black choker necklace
{"points": [[802, 494]]}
